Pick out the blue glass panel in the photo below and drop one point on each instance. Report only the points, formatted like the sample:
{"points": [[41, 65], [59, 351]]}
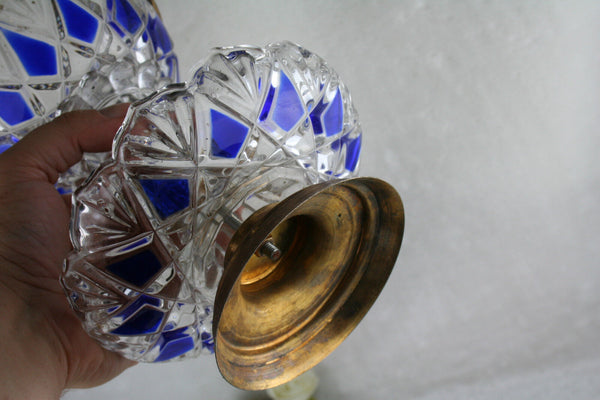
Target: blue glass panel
{"points": [[169, 326], [109, 4], [80, 24], [14, 108], [173, 68], [353, 153], [334, 116], [138, 304], [167, 195], [38, 58], [4, 147], [159, 35], [268, 102], [315, 117], [145, 321], [228, 135], [208, 341], [232, 55], [117, 28], [336, 144], [137, 269], [288, 108], [127, 16], [173, 344], [137, 243]]}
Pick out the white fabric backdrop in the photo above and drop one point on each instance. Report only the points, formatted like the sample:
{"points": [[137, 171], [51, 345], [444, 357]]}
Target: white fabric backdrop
{"points": [[486, 118]]}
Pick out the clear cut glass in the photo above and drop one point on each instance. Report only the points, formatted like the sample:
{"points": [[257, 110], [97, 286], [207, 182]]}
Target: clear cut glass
{"points": [[191, 162], [63, 55]]}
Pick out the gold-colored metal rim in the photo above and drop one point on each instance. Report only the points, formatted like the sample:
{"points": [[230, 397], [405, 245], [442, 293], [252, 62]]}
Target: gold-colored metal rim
{"points": [[277, 317], [153, 4]]}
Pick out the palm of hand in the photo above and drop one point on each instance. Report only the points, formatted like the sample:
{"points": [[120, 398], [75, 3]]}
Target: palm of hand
{"points": [[34, 221]]}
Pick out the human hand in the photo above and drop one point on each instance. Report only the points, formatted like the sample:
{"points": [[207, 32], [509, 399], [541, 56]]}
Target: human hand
{"points": [[43, 347]]}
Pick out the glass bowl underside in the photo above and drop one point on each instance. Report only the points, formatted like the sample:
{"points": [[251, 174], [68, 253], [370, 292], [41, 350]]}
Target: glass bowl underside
{"points": [[189, 165]]}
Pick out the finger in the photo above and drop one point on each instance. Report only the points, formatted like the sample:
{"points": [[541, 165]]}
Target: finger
{"points": [[53, 148], [116, 111]]}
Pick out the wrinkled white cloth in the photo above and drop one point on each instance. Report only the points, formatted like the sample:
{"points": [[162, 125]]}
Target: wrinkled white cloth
{"points": [[485, 116]]}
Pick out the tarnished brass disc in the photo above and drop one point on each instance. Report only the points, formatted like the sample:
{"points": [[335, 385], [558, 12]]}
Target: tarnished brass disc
{"points": [[278, 316]]}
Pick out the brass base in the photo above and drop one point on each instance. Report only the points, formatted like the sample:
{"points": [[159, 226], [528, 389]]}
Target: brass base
{"points": [[300, 275]]}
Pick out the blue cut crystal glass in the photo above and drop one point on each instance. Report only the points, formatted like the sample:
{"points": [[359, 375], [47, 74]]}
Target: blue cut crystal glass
{"points": [[192, 162], [63, 55]]}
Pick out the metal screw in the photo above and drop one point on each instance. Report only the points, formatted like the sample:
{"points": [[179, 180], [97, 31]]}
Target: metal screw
{"points": [[269, 249]]}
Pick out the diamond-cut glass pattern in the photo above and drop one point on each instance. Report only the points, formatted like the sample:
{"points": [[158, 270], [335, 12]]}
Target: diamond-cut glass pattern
{"points": [[288, 108], [190, 164], [15, 109], [81, 24], [167, 195], [173, 344], [36, 56], [228, 135], [136, 269], [63, 55], [141, 317]]}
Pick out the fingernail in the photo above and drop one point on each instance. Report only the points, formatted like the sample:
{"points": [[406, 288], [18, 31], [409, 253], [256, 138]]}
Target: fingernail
{"points": [[116, 111]]}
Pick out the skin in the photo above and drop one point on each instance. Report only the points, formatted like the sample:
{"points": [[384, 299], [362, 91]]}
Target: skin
{"points": [[43, 348]]}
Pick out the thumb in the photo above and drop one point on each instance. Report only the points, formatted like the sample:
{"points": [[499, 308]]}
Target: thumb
{"points": [[53, 148]]}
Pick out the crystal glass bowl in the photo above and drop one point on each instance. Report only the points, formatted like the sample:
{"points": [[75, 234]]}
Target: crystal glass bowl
{"points": [[63, 55], [190, 164]]}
